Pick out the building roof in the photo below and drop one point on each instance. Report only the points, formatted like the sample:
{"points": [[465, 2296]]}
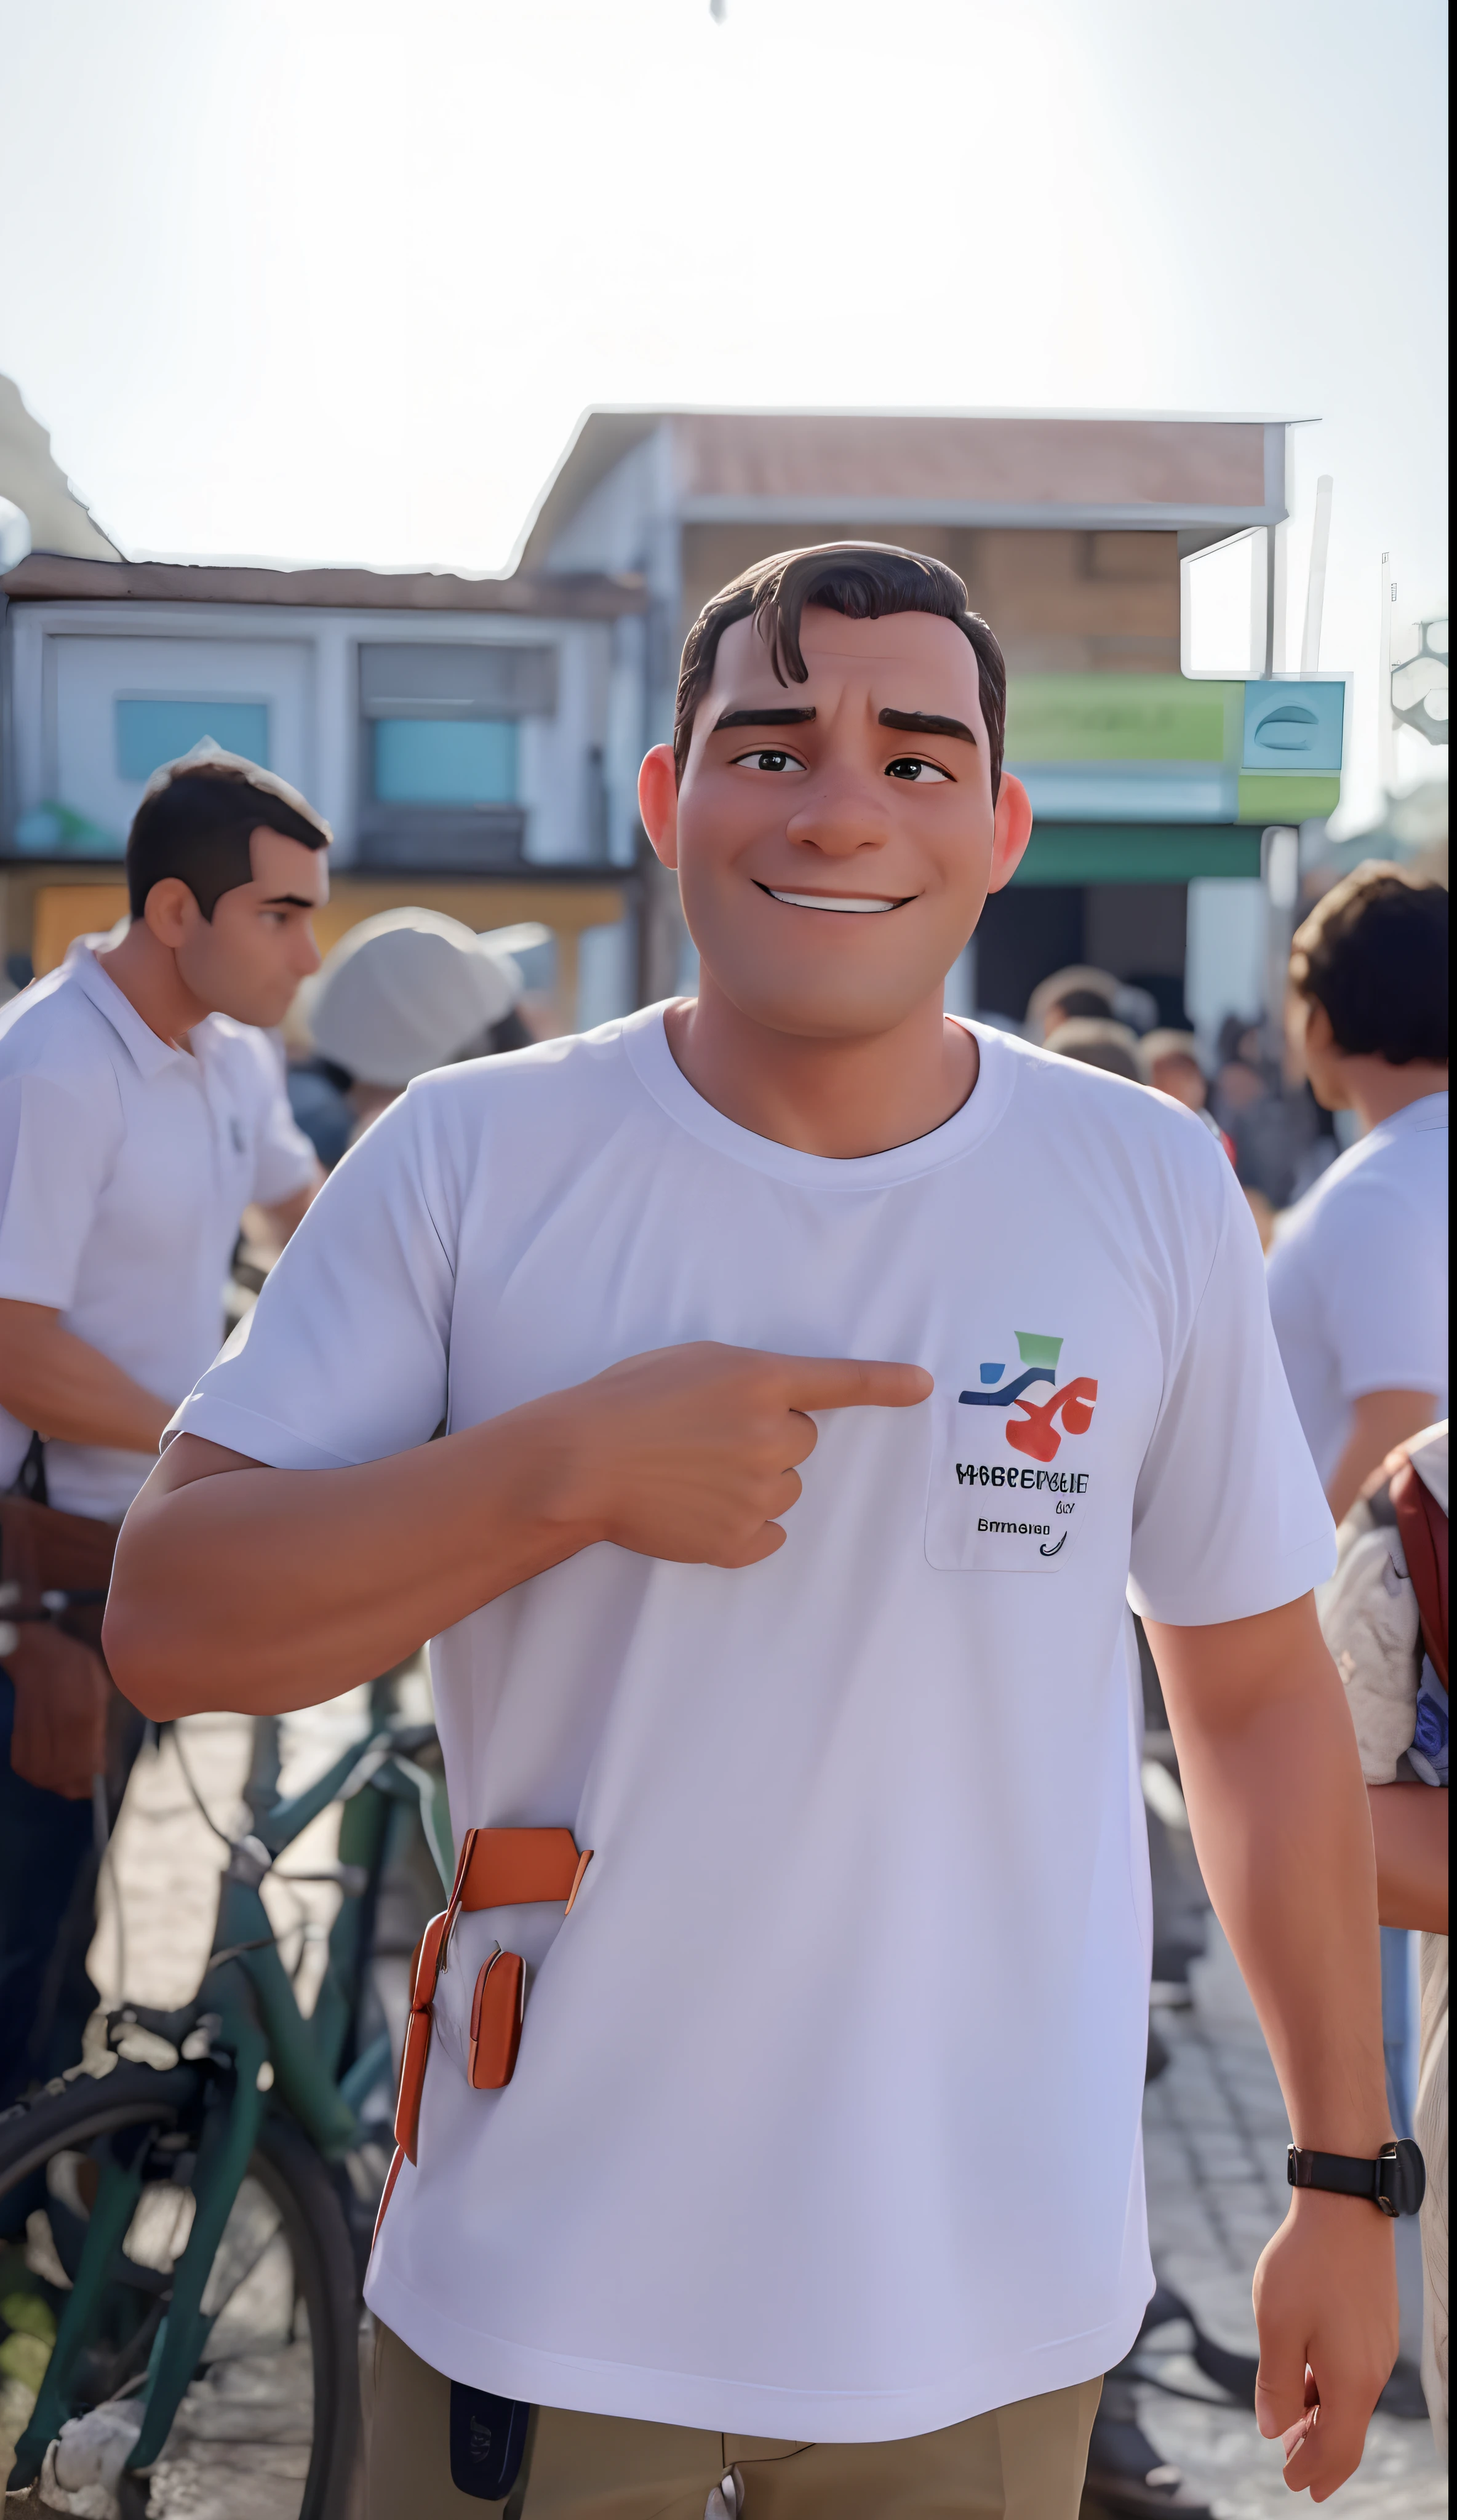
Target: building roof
{"points": [[45, 576], [32, 477], [1005, 469]]}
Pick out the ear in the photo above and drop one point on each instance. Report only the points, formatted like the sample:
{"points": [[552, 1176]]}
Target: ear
{"points": [[658, 802], [171, 912], [1012, 831]]}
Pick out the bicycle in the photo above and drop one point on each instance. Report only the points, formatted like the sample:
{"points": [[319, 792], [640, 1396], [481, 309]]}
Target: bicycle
{"points": [[183, 2237]]}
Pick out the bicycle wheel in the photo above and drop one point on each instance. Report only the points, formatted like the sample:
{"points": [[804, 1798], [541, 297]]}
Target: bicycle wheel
{"points": [[270, 2419]]}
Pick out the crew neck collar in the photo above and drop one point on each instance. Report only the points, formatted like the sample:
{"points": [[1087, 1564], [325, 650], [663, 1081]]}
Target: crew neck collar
{"points": [[1427, 1112], [645, 1039]]}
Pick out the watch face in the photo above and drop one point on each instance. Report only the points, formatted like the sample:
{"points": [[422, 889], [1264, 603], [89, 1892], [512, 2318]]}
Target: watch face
{"points": [[1403, 2177]]}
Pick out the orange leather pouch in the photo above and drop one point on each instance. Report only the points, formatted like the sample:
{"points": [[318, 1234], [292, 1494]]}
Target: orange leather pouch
{"points": [[496, 2010], [498, 1867]]}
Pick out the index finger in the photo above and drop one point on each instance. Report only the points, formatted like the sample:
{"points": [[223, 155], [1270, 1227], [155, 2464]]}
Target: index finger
{"points": [[854, 1382]]}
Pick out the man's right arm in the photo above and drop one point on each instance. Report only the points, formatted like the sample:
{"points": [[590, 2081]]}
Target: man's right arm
{"points": [[241, 1586], [69, 1391]]}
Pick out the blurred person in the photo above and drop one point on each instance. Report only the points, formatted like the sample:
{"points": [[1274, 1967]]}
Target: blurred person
{"points": [[405, 992], [142, 1110], [1358, 1271], [1080, 989], [825, 2123], [1096, 1041], [1169, 1063], [1385, 1617]]}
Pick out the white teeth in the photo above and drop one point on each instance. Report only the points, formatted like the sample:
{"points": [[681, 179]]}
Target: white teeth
{"points": [[827, 900]]}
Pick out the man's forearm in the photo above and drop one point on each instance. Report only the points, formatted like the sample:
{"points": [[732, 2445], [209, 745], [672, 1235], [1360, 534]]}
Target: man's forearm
{"points": [[1409, 1824], [69, 1391], [237, 1586], [240, 1586], [1281, 1825], [1379, 1421]]}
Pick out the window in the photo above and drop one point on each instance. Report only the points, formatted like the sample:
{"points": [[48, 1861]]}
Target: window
{"points": [[150, 731], [441, 757], [443, 761]]}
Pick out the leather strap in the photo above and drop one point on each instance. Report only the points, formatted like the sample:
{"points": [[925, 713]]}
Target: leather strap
{"points": [[496, 1868], [515, 1867], [1395, 2182], [1423, 1526]]}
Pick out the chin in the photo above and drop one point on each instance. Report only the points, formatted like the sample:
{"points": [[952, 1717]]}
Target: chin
{"points": [[821, 1012]]}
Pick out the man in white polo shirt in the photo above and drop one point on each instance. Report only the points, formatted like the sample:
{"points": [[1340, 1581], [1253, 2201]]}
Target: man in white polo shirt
{"points": [[1358, 1274], [141, 1111], [815, 2185]]}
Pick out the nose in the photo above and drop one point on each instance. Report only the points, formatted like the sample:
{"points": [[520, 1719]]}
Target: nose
{"points": [[840, 814], [306, 958]]}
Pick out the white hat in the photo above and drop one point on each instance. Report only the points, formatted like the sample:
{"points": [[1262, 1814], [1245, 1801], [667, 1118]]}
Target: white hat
{"points": [[208, 755], [407, 991]]}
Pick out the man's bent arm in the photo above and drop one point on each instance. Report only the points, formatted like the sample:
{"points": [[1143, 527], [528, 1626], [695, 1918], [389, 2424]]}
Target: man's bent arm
{"points": [[67, 1390], [1279, 1814], [241, 1586], [1379, 1422]]}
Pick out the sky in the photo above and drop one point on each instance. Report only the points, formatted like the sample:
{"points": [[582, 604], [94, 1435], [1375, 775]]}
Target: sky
{"points": [[299, 280]]}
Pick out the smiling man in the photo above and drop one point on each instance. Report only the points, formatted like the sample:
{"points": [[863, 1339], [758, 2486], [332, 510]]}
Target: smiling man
{"points": [[820, 1380]]}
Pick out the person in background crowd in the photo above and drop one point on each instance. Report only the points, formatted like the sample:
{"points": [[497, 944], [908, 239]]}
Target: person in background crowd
{"points": [[399, 994], [1358, 1273], [1385, 1619], [1077, 990], [141, 1111], [1171, 1064], [1096, 1041]]}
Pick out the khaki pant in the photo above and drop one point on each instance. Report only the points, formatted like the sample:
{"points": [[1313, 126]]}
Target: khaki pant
{"points": [[1020, 2463]]}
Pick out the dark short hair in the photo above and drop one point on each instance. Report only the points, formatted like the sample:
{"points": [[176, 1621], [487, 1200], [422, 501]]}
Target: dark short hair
{"points": [[1374, 954], [198, 829], [861, 580]]}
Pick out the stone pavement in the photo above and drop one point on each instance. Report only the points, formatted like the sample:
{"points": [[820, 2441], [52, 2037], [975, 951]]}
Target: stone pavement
{"points": [[1214, 2138], [1214, 2131]]}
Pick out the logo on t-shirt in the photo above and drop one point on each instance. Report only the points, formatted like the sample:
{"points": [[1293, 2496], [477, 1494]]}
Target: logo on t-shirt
{"points": [[1034, 1430]]}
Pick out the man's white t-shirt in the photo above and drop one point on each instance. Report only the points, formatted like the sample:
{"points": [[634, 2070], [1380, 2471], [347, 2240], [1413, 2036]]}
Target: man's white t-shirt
{"points": [[1358, 1278], [125, 1166], [826, 2119]]}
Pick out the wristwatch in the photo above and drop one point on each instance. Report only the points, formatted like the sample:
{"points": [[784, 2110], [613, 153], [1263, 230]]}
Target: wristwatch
{"points": [[1395, 2182]]}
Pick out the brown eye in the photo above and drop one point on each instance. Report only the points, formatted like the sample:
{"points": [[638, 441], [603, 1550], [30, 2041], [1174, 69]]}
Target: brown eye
{"points": [[771, 761], [922, 773]]}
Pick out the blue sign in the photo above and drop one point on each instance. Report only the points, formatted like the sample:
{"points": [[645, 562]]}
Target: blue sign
{"points": [[1293, 726]]}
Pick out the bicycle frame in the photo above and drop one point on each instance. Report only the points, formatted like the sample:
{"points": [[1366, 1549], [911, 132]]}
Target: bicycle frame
{"points": [[248, 2018]]}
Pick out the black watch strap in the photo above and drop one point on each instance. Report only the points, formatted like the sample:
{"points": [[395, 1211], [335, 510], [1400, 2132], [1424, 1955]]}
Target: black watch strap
{"points": [[1396, 2181]]}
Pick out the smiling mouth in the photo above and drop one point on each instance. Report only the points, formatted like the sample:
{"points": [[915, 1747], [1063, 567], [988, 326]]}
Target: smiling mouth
{"points": [[853, 902]]}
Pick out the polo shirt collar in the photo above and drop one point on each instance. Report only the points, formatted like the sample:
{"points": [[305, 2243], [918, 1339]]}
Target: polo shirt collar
{"points": [[148, 1052]]}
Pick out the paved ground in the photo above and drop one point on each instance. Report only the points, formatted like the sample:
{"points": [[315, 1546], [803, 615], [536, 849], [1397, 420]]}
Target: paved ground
{"points": [[1214, 2138], [1215, 2133]]}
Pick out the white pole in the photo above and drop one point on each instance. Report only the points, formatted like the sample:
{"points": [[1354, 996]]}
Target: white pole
{"points": [[1315, 584], [1385, 731]]}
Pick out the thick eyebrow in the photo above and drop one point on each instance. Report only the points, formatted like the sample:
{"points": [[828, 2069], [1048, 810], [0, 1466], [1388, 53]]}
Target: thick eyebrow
{"points": [[763, 717], [289, 901], [921, 722]]}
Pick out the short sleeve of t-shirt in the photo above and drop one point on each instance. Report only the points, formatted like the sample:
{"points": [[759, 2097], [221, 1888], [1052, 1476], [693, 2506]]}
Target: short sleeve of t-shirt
{"points": [[344, 1358], [1380, 1280], [1228, 1515], [55, 1151]]}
